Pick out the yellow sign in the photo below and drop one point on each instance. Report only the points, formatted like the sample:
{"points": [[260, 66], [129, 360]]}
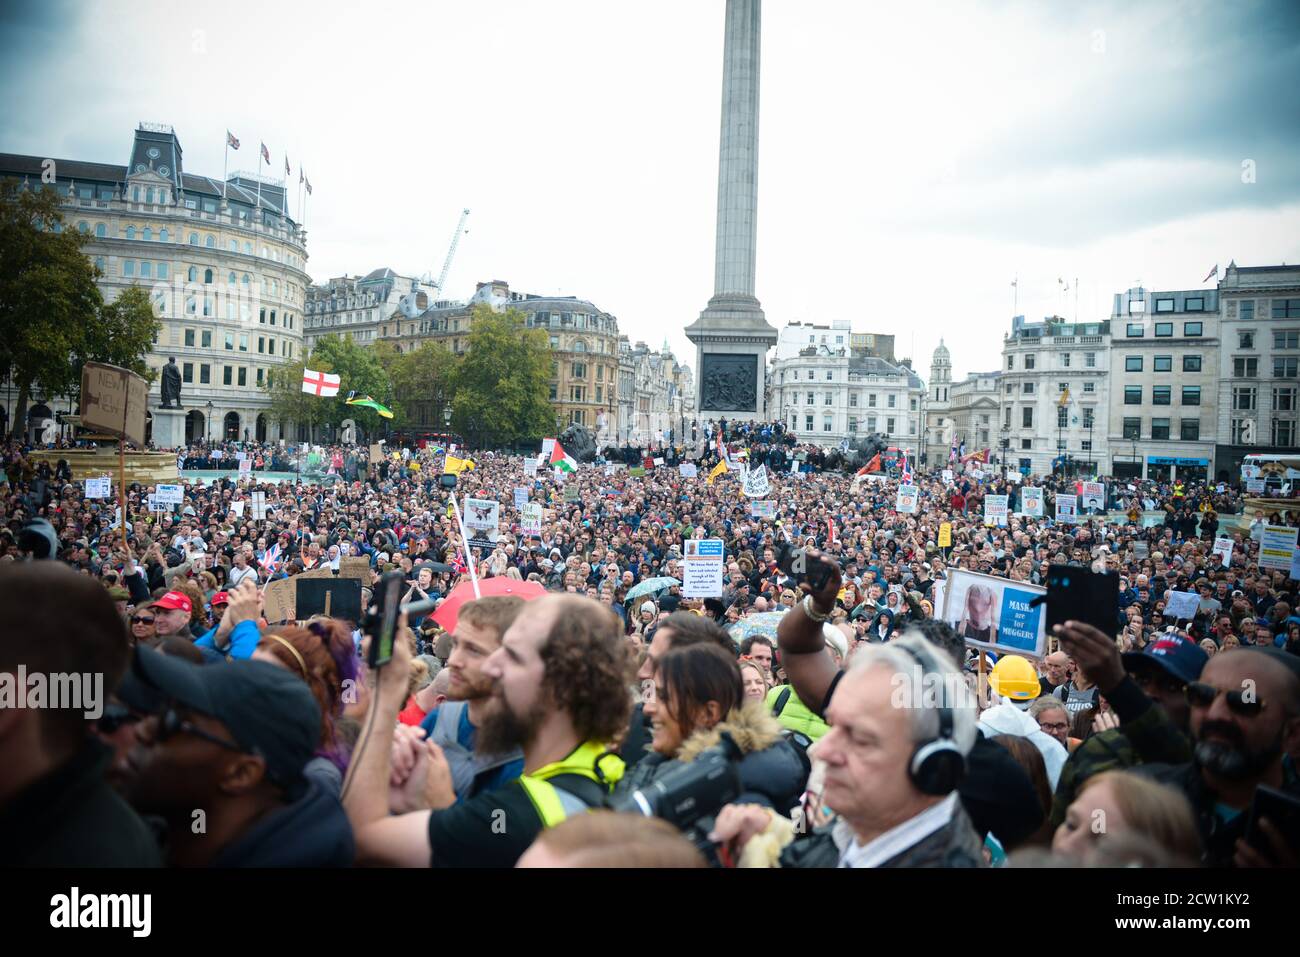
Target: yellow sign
{"points": [[945, 535]]}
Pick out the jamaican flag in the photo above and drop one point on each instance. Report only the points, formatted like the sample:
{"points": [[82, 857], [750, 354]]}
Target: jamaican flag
{"points": [[367, 402]]}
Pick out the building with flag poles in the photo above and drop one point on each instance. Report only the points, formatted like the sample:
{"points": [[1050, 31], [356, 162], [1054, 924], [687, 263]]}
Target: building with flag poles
{"points": [[223, 258]]}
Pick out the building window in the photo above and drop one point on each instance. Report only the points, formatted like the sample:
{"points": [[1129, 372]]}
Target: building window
{"points": [[1284, 399], [1284, 368], [1286, 339], [1029, 362], [1245, 368], [189, 337], [808, 423], [826, 423], [205, 339], [853, 426], [1164, 330], [1029, 388], [194, 239], [128, 267], [1090, 360], [871, 400], [1027, 417], [205, 374], [226, 375], [261, 344], [1191, 395], [1132, 395], [207, 277], [1132, 428], [243, 342], [1065, 360], [1011, 362], [853, 401], [1026, 444], [579, 370], [1135, 330], [1246, 309], [1062, 387], [1192, 329], [1160, 428], [1089, 417], [871, 423], [830, 375], [889, 426], [187, 371], [1132, 363], [1286, 309], [580, 346], [1194, 304], [270, 345], [1284, 431], [1062, 417], [892, 400], [1160, 395], [1089, 387], [1164, 305], [260, 376], [830, 398], [1239, 430], [1162, 363], [1243, 398], [1191, 363]]}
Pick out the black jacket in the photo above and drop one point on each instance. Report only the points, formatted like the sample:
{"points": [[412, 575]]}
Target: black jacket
{"points": [[312, 832], [72, 818]]}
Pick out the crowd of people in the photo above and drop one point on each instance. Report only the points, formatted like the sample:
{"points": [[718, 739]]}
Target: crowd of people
{"points": [[559, 719]]}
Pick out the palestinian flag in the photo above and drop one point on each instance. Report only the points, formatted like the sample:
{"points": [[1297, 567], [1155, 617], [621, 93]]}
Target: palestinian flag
{"points": [[561, 459], [367, 402]]}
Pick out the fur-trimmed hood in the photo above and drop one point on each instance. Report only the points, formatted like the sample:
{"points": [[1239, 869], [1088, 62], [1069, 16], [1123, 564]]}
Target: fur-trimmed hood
{"points": [[751, 725]]}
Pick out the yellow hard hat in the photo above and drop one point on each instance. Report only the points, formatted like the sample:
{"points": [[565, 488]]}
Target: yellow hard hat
{"points": [[1015, 678]]}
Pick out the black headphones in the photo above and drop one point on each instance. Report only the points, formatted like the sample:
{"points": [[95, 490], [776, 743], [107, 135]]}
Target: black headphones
{"points": [[937, 766]]}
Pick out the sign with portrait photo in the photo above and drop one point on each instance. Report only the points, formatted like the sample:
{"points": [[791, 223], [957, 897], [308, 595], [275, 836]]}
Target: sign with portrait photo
{"points": [[996, 614]]}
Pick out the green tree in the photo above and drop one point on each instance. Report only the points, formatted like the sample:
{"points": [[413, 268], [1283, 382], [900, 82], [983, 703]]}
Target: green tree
{"points": [[49, 303], [122, 336], [358, 369], [288, 402], [424, 382], [503, 382]]}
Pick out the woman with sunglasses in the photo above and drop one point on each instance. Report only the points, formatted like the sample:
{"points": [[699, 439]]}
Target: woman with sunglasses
{"points": [[143, 630]]}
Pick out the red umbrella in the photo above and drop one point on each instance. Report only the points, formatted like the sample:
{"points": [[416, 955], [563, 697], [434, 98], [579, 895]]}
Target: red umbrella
{"points": [[449, 611]]}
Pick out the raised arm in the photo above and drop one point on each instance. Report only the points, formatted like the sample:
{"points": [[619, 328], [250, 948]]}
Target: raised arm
{"points": [[803, 647]]}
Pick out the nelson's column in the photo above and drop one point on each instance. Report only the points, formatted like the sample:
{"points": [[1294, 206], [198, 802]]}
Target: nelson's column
{"points": [[732, 335]]}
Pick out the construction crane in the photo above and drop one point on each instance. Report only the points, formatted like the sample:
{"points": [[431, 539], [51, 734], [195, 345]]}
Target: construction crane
{"points": [[441, 284]]}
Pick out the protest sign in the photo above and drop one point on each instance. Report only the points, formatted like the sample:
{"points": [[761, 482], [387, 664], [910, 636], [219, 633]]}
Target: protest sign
{"points": [[688, 470], [657, 462], [237, 508], [1031, 501], [482, 514], [1067, 508], [531, 518], [702, 568], [259, 504], [945, 535], [113, 400], [995, 613], [977, 474], [1277, 546], [278, 600], [521, 497], [245, 467], [1295, 566], [995, 510], [1223, 548], [1182, 605], [530, 467], [571, 494], [756, 484], [1094, 496], [99, 487], [548, 446], [355, 566], [1255, 486], [947, 476], [338, 598], [763, 509], [169, 495], [908, 498]]}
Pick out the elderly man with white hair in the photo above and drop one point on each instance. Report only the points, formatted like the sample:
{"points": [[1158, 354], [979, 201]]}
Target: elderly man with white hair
{"points": [[902, 721]]}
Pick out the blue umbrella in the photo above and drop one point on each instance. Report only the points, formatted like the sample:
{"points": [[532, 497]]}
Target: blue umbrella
{"points": [[764, 623], [651, 585]]}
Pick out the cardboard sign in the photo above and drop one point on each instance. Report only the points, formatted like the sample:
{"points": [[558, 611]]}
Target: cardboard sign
{"points": [[279, 600], [995, 613], [763, 509], [339, 598], [169, 494], [610, 470], [1182, 605], [1031, 501], [521, 497], [702, 568], [909, 496], [323, 571], [355, 566], [945, 535], [1094, 496], [1067, 508], [531, 518], [657, 461], [1277, 546], [113, 400], [995, 510], [1223, 548], [376, 453], [99, 487]]}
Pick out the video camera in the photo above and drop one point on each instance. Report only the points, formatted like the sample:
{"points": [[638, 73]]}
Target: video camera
{"points": [[690, 796]]}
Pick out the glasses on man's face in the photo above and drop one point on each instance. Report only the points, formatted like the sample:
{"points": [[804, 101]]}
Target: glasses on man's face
{"points": [[1202, 695], [170, 723], [141, 620]]}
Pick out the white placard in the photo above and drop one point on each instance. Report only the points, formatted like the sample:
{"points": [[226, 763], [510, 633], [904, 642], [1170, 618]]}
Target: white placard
{"points": [[259, 504], [1031, 501], [977, 474], [1094, 496], [763, 509], [756, 484], [531, 518], [238, 508], [688, 470], [1295, 565], [1277, 547], [482, 514], [946, 474], [521, 497], [609, 470], [657, 461], [1223, 548], [245, 467], [169, 495], [1182, 605], [909, 496], [1255, 486], [995, 510], [702, 568], [99, 487], [530, 466], [1067, 508], [548, 445]]}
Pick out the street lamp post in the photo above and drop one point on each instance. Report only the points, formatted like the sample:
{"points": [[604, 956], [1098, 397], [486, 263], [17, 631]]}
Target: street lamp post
{"points": [[207, 425], [1135, 457], [1006, 449]]}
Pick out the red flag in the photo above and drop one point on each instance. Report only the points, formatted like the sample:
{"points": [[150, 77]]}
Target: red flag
{"points": [[872, 466], [830, 535]]}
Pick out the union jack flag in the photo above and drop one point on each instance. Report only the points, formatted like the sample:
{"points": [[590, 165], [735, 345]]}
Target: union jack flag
{"points": [[271, 560], [904, 467]]}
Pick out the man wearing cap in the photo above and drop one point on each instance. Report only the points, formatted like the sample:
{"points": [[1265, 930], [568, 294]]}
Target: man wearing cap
{"points": [[231, 740], [172, 615], [1146, 692]]}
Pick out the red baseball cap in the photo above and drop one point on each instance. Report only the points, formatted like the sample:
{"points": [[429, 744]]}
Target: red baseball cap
{"points": [[220, 598], [174, 599]]}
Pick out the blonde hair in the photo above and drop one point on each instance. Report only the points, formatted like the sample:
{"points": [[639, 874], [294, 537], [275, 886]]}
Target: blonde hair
{"points": [[1161, 813], [980, 591]]}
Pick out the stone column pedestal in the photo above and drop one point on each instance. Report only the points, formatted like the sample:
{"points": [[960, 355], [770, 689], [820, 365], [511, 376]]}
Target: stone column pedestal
{"points": [[168, 428]]}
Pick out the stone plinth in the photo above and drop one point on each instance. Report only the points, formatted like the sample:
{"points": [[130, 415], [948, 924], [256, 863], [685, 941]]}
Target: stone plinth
{"points": [[169, 428]]}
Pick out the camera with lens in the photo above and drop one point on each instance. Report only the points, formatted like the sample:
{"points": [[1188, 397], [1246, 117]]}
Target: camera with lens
{"points": [[690, 796]]}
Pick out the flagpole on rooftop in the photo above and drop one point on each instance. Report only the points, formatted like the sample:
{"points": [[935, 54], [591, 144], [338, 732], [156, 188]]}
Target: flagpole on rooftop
{"points": [[261, 147]]}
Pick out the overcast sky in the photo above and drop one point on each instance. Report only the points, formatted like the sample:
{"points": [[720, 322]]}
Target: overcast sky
{"points": [[914, 158]]}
